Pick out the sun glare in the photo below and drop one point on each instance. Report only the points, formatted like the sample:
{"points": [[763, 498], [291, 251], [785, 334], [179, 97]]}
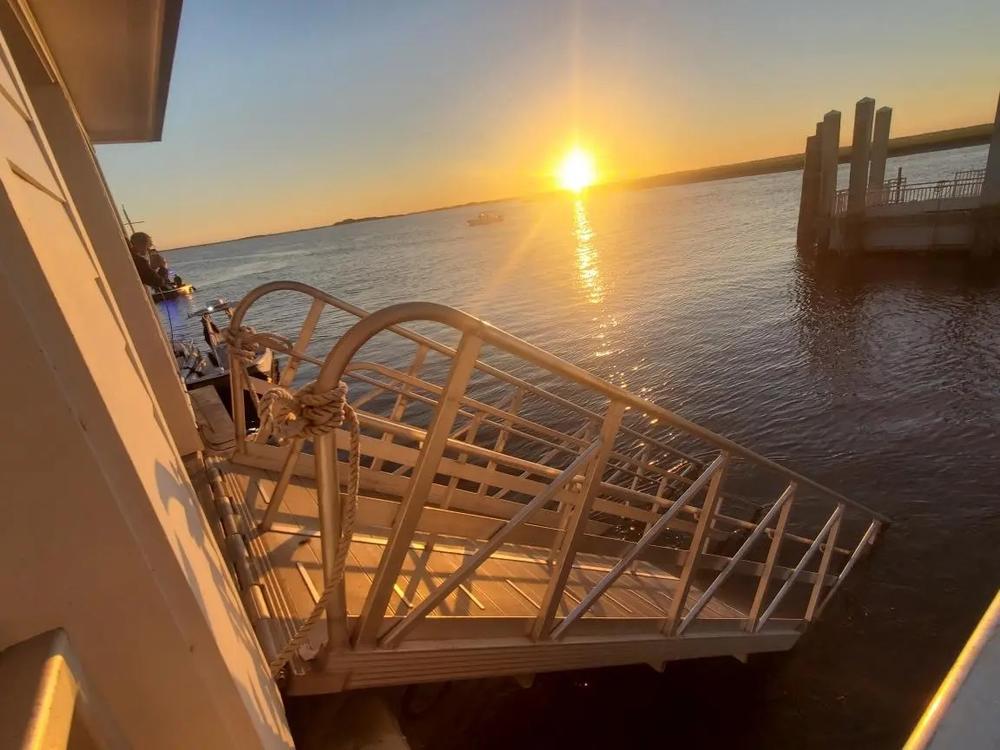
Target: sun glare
{"points": [[577, 171]]}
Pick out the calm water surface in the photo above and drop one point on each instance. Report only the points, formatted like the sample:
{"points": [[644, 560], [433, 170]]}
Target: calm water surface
{"points": [[879, 379]]}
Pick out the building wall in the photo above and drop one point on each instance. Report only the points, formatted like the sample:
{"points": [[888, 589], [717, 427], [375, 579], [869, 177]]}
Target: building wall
{"points": [[102, 534], [57, 116]]}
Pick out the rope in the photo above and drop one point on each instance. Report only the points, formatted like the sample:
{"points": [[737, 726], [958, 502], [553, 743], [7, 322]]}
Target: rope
{"points": [[307, 413], [303, 413], [242, 346]]}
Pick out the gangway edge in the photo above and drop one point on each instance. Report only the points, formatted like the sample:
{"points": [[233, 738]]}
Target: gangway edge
{"points": [[419, 509]]}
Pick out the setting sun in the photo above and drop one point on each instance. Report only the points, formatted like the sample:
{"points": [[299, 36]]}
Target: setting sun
{"points": [[577, 171]]}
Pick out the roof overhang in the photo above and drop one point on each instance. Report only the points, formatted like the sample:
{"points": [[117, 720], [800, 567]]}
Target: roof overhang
{"points": [[114, 57]]}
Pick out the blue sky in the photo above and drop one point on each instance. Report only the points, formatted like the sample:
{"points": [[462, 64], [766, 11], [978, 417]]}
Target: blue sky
{"points": [[291, 114]]}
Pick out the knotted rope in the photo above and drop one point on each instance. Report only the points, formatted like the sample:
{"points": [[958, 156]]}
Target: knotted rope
{"points": [[242, 346], [304, 413], [308, 413]]}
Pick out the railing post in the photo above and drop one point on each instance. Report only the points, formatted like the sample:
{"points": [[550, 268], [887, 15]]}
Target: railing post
{"points": [[642, 461], [824, 565], [800, 566], [577, 523], [698, 541], [501, 443], [772, 559], [745, 548], [416, 494], [470, 438], [399, 407], [866, 541], [302, 342], [330, 513], [236, 374]]}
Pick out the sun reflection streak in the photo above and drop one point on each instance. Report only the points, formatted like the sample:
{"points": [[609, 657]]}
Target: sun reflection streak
{"points": [[587, 259]]}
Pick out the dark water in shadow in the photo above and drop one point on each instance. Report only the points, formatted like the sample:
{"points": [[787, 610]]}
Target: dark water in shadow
{"points": [[878, 378]]}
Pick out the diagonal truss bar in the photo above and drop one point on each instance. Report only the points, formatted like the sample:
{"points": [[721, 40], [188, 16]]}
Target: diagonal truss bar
{"points": [[833, 519], [492, 545], [724, 574], [867, 540], [412, 504], [647, 538]]}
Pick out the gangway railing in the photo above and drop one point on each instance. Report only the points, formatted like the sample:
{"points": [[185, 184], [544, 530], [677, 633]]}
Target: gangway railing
{"points": [[553, 457]]}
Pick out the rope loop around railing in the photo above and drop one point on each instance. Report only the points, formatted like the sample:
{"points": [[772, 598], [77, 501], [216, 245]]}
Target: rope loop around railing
{"points": [[242, 345], [348, 511], [304, 413]]}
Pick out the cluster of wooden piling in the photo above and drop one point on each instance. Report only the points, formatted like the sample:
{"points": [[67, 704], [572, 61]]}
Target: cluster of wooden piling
{"points": [[869, 149], [958, 212]]}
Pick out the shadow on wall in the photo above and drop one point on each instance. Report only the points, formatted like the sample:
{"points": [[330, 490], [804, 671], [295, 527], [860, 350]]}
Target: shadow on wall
{"points": [[198, 553]]}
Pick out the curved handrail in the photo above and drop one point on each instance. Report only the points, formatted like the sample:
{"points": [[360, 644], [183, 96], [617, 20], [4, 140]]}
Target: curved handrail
{"points": [[297, 286], [389, 318]]}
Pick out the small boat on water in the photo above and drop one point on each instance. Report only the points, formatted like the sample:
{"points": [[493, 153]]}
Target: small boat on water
{"points": [[183, 290], [484, 217]]}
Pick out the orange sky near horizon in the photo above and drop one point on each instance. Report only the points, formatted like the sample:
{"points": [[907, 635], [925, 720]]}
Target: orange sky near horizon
{"points": [[282, 122]]}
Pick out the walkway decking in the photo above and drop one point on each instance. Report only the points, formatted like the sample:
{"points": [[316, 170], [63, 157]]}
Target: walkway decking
{"points": [[500, 600]]}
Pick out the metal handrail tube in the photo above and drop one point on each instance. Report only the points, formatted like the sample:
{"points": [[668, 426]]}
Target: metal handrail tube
{"points": [[390, 317], [297, 286], [441, 592]]}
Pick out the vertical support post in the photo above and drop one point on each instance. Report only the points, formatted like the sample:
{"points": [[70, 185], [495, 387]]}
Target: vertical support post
{"points": [[880, 151], [824, 565], [236, 375], [302, 342], [641, 465], [328, 489], [809, 199], [829, 159], [408, 515], [770, 562], [698, 541], [399, 407], [577, 523], [470, 438], [861, 144], [515, 407]]}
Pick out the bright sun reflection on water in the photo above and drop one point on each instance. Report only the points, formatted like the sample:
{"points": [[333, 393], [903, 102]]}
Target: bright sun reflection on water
{"points": [[587, 260]]}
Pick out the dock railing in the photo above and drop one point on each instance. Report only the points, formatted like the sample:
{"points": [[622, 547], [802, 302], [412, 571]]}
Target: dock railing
{"points": [[553, 457], [964, 184]]}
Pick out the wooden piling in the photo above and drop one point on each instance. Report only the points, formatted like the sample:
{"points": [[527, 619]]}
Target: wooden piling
{"points": [[829, 157], [880, 148], [809, 201], [864, 113]]}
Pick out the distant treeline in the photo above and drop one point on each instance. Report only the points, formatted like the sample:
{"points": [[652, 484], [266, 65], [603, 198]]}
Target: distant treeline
{"points": [[939, 140]]}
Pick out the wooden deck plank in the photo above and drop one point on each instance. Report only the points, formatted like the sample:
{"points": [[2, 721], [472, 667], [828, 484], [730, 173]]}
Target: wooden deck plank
{"points": [[508, 584]]}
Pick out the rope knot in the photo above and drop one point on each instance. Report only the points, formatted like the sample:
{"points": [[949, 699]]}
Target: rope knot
{"points": [[242, 345], [307, 412]]}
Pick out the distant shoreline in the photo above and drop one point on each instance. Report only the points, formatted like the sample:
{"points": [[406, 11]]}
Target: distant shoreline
{"points": [[938, 140]]}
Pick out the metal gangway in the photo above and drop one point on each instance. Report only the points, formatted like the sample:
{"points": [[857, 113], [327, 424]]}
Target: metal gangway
{"points": [[495, 510]]}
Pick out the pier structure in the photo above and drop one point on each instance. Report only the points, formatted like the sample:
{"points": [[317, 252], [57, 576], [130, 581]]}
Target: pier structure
{"points": [[957, 213], [461, 521]]}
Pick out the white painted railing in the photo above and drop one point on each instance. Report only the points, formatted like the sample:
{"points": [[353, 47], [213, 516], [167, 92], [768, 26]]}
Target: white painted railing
{"points": [[577, 466], [965, 184]]}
